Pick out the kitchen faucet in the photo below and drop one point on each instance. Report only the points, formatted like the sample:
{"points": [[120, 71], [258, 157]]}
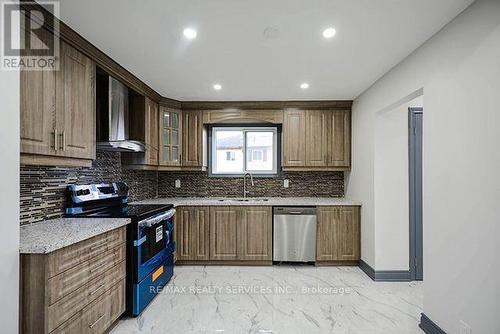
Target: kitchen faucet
{"points": [[245, 191]]}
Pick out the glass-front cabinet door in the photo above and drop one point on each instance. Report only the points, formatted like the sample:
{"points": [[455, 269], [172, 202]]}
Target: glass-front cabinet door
{"points": [[170, 137]]}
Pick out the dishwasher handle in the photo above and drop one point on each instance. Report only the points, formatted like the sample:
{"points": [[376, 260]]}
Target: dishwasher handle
{"points": [[294, 211]]}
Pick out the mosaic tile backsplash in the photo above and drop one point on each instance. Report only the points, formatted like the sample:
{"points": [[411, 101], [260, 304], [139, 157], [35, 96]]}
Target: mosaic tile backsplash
{"points": [[43, 188], [301, 184]]}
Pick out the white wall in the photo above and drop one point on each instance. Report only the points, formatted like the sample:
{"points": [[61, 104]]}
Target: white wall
{"points": [[459, 69], [9, 201], [391, 187]]}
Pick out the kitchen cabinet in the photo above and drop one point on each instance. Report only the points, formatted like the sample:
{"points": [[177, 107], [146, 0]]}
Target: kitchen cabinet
{"points": [[170, 143], [192, 224], [151, 132], [58, 112], [76, 289], [144, 127], [316, 140], [255, 231], [338, 234], [224, 222], [339, 139], [294, 134], [243, 116], [193, 149]]}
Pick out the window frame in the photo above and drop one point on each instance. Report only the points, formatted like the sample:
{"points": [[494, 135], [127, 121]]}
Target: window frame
{"points": [[275, 128]]}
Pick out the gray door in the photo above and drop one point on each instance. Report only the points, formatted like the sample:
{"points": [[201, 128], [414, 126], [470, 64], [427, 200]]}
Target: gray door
{"points": [[415, 152]]}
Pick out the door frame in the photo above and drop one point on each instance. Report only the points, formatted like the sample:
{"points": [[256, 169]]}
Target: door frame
{"points": [[415, 195]]}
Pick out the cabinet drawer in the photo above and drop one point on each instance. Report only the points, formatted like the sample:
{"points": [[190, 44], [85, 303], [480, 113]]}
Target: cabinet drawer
{"points": [[99, 315], [70, 280], [71, 304], [73, 255]]}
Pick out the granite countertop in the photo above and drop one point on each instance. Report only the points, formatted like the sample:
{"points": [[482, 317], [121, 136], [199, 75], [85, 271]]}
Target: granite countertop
{"points": [[50, 235], [255, 201]]}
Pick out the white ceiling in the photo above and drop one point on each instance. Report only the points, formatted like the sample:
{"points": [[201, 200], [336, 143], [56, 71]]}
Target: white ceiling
{"points": [[146, 38]]}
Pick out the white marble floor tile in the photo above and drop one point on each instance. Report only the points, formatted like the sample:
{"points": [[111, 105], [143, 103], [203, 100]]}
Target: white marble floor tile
{"points": [[279, 299]]}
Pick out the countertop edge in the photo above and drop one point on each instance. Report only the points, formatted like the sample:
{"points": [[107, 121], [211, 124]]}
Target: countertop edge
{"points": [[33, 247]]}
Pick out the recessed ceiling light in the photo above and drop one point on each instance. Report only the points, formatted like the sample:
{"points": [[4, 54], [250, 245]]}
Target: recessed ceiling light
{"points": [[217, 87], [189, 33], [329, 32], [304, 85]]}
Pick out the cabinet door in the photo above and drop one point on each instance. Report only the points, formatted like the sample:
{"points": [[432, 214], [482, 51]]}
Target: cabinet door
{"points": [[151, 132], [316, 138], [192, 141], [184, 233], [255, 233], [294, 138], [38, 107], [75, 104], [223, 233], [327, 234], [193, 233], [170, 137], [339, 139], [349, 234]]}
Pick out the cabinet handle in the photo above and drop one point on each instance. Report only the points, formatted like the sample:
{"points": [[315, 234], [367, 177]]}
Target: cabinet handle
{"points": [[56, 146], [95, 322], [63, 135], [95, 291]]}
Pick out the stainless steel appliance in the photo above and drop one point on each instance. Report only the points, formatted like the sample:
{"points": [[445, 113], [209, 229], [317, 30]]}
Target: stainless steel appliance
{"points": [[294, 234], [150, 237], [112, 107]]}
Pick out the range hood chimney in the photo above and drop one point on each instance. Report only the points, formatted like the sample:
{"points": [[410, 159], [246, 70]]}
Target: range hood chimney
{"points": [[112, 104]]}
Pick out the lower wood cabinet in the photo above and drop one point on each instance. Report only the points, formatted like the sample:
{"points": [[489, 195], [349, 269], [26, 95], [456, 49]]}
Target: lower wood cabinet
{"points": [[338, 234], [76, 289], [244, 234], [224, 233], [192, 228], [256, 233]]}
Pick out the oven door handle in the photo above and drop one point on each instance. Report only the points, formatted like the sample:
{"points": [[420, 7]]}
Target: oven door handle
{"points": [[155, 220]]}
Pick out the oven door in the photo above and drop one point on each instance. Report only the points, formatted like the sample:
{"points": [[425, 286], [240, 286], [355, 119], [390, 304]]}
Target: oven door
{"points": [[154, 239]]}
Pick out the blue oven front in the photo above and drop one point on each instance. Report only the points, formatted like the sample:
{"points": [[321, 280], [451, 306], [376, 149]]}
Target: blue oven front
{"points": [[151, 246]]}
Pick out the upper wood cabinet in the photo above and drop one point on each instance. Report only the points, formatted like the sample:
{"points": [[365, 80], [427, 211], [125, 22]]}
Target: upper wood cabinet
{"points": [[152, 128], [338, 234], [75, 99], [193, 149], [316, 140], [170, 137], [294, 134], [339, 139], [243, 116], [58, 112], [144, 126]]}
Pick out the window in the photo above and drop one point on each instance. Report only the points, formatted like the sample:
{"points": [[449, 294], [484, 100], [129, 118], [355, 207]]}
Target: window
{"points": [[237, 150]]}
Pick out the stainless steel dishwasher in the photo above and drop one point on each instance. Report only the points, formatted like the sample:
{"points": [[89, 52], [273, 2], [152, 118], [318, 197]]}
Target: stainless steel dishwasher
{"points": [[294, 234]]}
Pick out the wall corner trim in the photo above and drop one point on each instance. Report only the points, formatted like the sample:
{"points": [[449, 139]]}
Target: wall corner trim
{"points": [[429, 326], [385, 275]]}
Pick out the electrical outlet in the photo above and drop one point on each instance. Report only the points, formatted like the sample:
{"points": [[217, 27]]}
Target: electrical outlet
{"points": [[286, 183], [177, 183], [464, 328]]}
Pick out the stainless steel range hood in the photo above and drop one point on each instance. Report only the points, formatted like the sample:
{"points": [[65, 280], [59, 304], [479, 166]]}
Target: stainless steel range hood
{"points": [[112, 104]]}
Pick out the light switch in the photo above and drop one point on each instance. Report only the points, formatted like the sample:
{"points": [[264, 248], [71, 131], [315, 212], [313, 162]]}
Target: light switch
{"points": [[177, 183], [286, 183]]}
